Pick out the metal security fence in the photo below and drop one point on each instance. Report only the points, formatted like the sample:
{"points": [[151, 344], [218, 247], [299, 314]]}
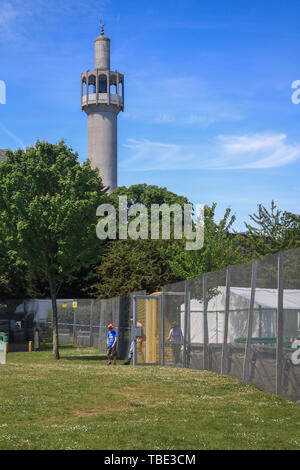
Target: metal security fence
{"points": [[242, 321], [81, 322], [84, 322]]}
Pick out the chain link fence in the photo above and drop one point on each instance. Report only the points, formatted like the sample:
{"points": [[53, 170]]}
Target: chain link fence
{"points": [[81, 322], [242, 321]]}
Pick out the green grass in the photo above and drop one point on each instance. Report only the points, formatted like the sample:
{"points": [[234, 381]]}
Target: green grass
{"points": [[80, 403]]}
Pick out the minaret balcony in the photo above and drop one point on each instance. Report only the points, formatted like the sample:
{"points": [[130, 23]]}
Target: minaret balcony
{"points": [[103, 98]]}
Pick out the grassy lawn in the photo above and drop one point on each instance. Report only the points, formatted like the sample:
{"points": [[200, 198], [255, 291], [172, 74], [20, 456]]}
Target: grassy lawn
{"points": [[80, 403]]}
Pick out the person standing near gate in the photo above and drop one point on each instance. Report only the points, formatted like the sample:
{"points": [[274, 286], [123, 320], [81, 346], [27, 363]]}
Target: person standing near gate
{"points": [[176, 339], [139, 343], [111, 342]]}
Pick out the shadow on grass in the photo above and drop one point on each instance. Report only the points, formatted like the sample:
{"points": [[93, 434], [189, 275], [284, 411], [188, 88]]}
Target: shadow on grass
{"points": [[86, 358]]}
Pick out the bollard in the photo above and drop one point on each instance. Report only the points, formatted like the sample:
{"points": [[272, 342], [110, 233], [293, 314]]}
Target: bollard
{"points": [[30, 346], [6, 347]]}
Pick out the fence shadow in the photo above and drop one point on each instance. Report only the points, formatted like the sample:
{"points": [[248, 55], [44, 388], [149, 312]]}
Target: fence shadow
{"points": [[87, 358]]}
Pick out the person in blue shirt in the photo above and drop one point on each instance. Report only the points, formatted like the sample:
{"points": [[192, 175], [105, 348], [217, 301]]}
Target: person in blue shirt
{"points": [[175, 338], [111, 342]]}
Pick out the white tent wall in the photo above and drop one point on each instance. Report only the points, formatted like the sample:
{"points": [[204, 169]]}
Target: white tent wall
{"points": [[264, 321]]}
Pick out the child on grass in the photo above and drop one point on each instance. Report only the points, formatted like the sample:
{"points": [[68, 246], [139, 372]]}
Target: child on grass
{"points": [[111, 342]]}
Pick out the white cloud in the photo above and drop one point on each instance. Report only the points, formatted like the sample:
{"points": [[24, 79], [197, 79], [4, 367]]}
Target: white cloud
{"points": [[147, 155], [264, 150], [259, 150], [254, 142]]}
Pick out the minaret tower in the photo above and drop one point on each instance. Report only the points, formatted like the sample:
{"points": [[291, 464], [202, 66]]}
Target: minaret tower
{"points": [[102, 98]]}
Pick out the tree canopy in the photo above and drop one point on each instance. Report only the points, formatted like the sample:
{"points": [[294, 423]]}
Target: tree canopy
{"points": [[273, 230], [48, 205], [130, 265], [219, 249]]}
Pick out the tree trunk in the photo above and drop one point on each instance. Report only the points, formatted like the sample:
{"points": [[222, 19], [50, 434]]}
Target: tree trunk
{"points": [[52, 286]]}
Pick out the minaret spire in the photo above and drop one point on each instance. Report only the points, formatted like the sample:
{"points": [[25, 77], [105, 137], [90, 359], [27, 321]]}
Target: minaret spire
{"points": [[102, 28]]}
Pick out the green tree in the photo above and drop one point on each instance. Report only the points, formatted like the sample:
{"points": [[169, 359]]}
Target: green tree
{"points": [[274, 230], [147, 195], [48, 217], [140, 264], [219, 249], [134, 265], [13, 279]]}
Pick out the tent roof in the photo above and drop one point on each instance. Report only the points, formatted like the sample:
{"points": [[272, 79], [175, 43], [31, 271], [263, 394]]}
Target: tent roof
{"points": [[268, 297]]}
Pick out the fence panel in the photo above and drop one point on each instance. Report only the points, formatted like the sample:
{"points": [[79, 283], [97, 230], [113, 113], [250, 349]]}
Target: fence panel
{"points": [[174, 323], [262, 370], [243, 321], [196, 350], [290, 345], [216, 297]]}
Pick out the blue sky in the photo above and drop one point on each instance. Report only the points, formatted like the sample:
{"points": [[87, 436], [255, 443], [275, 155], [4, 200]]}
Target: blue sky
{"points": [[208, 86]]}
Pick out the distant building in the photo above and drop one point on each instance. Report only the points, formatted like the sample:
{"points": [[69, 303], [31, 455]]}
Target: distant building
{"points": [[2, 155]]}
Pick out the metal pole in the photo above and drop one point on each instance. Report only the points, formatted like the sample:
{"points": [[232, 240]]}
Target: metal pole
{"points": [[100, 326], [224, 362], [134, 330], [205, 325], [160, 333], [161, 330], [186, 322], [250, 323], [163, 333], [74, 325], [279, 344], [91, 323], [188, 357]]}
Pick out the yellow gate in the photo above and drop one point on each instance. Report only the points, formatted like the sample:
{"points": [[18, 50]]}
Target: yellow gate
{"points": [[147, 323], [158, 328]]}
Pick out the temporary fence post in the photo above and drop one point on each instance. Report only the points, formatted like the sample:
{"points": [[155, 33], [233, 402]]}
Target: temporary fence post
{"points": [[250, 322], [186, 336], [162, 329], [91, 323], [100, 325], [279, 344], [205, 325], [134, 359], [74, 325], [160, 321], [224, 363]]}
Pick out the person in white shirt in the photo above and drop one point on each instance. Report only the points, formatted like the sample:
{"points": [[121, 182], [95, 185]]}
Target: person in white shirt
{"points": [[176, 339]]}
